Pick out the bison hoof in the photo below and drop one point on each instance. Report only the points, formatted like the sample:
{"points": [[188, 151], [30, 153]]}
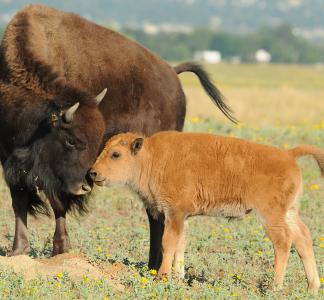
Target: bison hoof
{"points": [[60, 247], [20, 251]]}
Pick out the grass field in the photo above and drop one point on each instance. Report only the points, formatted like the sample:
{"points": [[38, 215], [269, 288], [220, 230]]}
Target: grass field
{"points": [[279, 105], [262, 94]]}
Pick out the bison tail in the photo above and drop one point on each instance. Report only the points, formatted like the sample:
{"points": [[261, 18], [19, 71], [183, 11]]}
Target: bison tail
{"points": [[316, 152], [212, 91]]}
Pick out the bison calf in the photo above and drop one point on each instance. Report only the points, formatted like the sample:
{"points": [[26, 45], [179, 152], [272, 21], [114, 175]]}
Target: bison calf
{"points": [[187, 174]]}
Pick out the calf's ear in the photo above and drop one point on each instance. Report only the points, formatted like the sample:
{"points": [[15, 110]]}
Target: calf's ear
{"points": [[136, 145]]}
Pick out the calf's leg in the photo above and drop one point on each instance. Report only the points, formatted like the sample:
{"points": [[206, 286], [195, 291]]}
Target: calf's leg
{"points": [[281, 238], [304, 245], [20, 204], [61, 240], [173, 231], [156, 233], [178, 262]]}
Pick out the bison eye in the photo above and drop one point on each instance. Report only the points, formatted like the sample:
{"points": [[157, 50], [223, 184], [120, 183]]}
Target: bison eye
{"points": [[70, 144], [115, 155]]}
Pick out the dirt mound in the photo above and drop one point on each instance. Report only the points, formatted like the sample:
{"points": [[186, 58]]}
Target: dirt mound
{"points": [[76, 265]]}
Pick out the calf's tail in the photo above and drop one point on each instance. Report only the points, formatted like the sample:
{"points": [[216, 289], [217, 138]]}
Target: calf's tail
{"points": [[212, 91], [316, 152]]}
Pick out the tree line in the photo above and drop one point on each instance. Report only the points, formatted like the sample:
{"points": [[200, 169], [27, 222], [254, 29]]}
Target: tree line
{"points": [[283, 45]]}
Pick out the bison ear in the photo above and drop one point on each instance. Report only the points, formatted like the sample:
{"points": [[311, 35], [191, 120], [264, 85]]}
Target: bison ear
{"points": [[101, 96], [136, 145], [69, 113]]}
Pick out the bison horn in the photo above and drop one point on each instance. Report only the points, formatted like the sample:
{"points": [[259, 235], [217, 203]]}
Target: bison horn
{"points": [[101, 96], [69, 113]]}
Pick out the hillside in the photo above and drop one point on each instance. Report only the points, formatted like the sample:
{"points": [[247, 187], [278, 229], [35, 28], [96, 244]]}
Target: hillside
{"points": [[234, 15]]}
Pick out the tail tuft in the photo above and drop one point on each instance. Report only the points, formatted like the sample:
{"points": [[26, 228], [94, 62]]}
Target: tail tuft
{"points": [[316, 152], [212, 91]]}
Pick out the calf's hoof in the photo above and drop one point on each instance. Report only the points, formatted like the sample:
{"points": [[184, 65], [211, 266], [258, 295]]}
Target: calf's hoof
{"points": [[278, 287], [179, 270], [162, 275], [314, 287]]}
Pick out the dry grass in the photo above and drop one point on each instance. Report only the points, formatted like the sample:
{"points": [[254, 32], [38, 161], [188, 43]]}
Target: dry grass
{"points": [[262, 95]]}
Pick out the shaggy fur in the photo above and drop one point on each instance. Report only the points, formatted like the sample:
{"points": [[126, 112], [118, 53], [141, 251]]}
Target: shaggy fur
{"points": [[50, 60], [188, 174]]}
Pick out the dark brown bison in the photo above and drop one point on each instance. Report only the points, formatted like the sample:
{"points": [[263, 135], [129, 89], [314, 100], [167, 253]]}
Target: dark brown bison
{"points": [[52, 125]]}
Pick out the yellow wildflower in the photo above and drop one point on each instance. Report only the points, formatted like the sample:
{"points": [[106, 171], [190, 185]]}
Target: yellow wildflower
{"points": [[292, 127], [322, 245], [144, 280], [214, 233], [58, 285], [322, 279], [260, 252], [153, 272], [99, 249], [285, 145], [226, 229], [60, 275], [322, 238], [195, 120], [314, 187]]}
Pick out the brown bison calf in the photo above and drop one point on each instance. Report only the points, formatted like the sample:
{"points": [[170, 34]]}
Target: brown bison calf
{"points": [[187, 174]]}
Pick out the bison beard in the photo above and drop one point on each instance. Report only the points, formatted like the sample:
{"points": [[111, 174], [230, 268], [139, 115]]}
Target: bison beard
{"points": [[50, 61], [24, 170]]}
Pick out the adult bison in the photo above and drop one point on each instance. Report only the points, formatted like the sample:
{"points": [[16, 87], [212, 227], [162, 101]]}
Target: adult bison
{"points": [[52, 64]]}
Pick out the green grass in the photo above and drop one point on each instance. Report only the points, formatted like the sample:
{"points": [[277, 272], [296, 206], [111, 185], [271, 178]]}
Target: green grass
{"points": [[224, 260]]}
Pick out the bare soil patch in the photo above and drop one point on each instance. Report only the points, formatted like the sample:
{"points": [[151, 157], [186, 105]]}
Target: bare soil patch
{"points": [[75, 264]]}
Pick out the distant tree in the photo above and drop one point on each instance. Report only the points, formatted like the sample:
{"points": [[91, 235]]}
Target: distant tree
{"points": [[285, 47], [280, 41], [1, 32], [233, 45]]}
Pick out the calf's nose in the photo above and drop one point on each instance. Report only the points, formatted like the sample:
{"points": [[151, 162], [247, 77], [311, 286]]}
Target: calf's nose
{"points": [[93, 174]]}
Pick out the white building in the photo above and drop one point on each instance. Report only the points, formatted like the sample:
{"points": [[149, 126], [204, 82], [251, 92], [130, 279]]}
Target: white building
{"points": [[208, 56], [262, 56]]}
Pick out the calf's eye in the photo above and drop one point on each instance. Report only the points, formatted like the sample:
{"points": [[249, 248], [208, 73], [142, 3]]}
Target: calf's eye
{"points": [[115, 155]]}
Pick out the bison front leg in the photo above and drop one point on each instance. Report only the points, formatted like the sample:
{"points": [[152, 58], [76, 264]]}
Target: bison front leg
{"points": [[20, 203], [156, 233], [61, 240]]}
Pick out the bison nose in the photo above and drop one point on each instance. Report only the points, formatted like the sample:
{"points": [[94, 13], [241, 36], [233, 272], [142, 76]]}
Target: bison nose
{"points": [[86, 188], [93, 174]]}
